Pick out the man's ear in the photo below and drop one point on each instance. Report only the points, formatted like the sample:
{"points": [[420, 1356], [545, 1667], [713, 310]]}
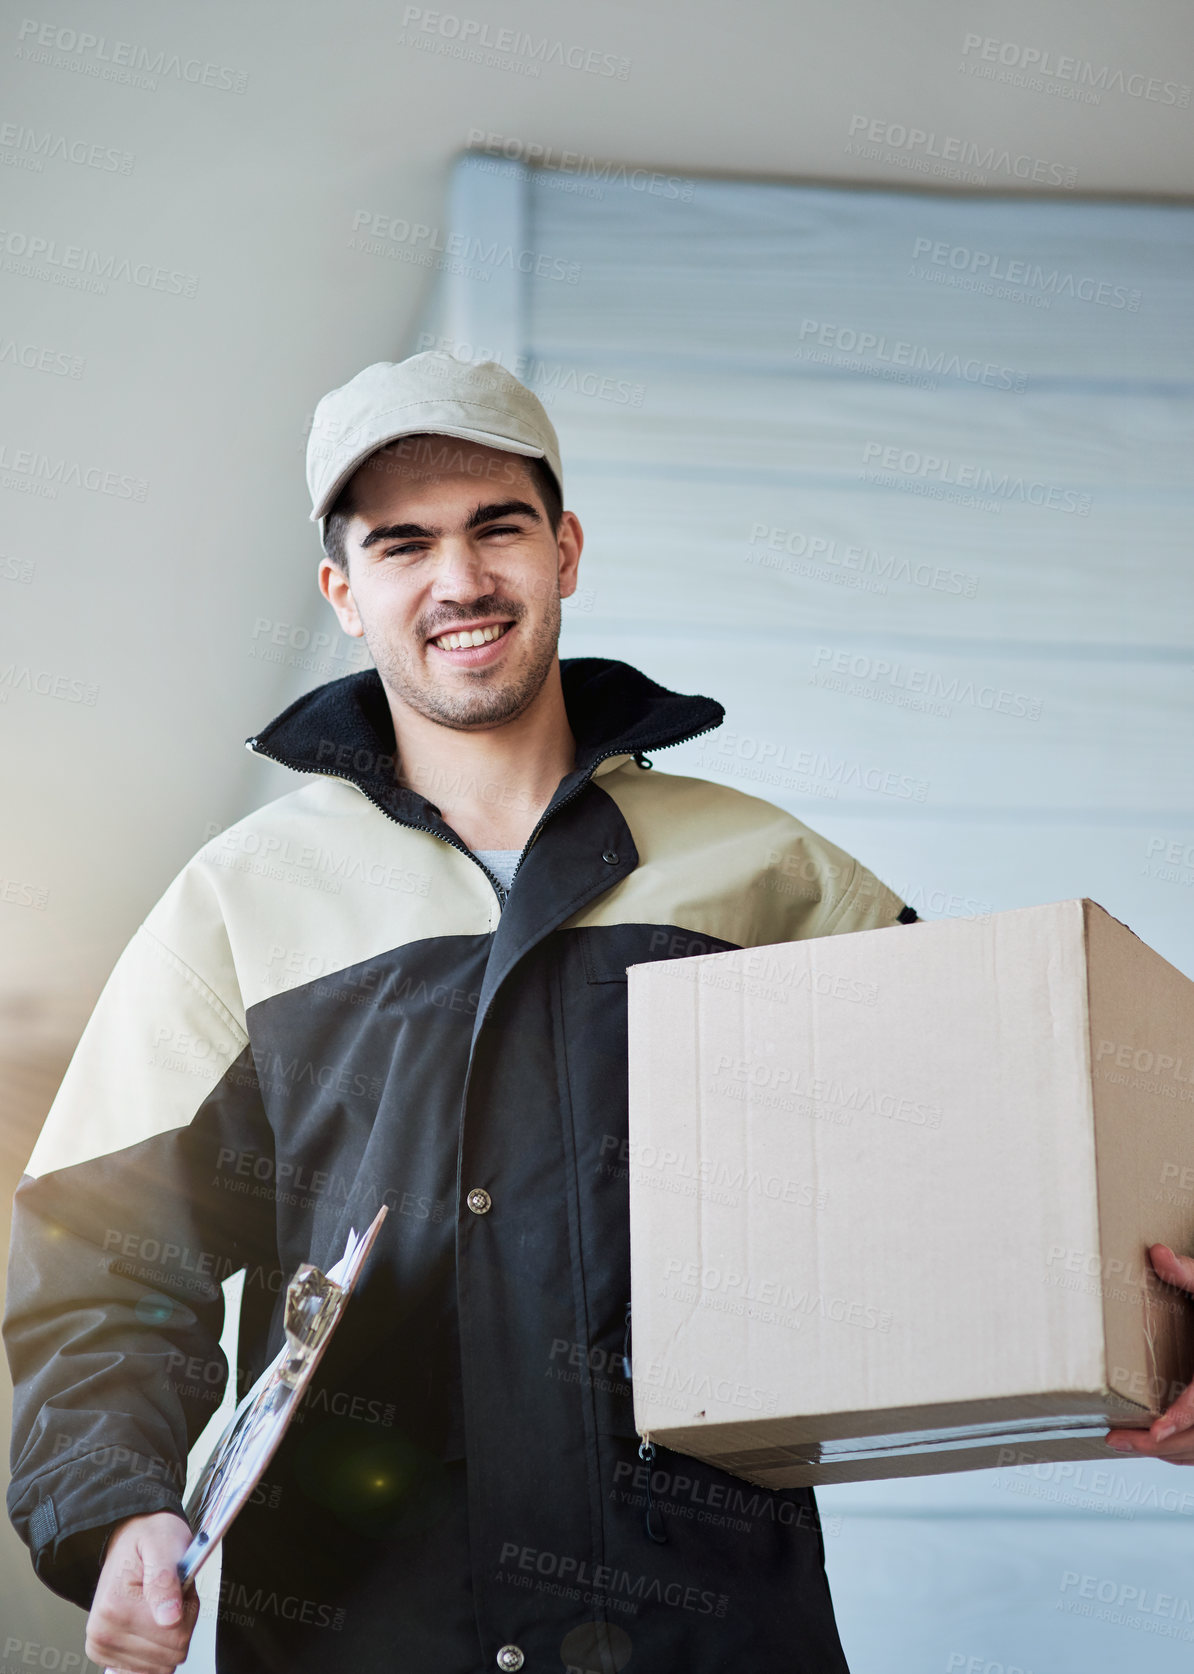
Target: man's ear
{"points": [[333, 584], [570, 538]]}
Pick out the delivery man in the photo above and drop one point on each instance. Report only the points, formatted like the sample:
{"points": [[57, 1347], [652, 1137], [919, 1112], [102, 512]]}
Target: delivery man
{"points": [[404, 982]]}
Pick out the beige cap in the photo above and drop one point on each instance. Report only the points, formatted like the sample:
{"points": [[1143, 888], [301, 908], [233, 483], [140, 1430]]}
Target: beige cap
{"points": [[431, 392]]}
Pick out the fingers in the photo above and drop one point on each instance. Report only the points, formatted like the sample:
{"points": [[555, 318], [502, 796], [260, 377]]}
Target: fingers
{"points": [[161, 1588], [1175, 1449], [141, 1620], [1171, 1435], [115, 1644], [133, 1660], [1177, 1418], [1174, 1269]]}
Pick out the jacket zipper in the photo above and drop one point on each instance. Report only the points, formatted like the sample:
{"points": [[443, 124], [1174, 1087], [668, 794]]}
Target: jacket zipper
{"points": [[412, 825], [502, 893], [604, 756]]}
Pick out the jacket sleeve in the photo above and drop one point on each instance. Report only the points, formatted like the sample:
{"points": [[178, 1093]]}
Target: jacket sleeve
{"points": [[128, 1218], [812, 887], [863, 902]]}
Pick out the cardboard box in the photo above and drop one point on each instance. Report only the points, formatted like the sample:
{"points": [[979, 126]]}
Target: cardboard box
{"points": [[891, 1196]]}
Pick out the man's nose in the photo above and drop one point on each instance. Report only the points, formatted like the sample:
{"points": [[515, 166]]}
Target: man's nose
{"points": [[462, 571]]}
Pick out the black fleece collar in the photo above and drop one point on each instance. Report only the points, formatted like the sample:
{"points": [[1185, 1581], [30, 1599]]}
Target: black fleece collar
{"points": [[344, 727]]}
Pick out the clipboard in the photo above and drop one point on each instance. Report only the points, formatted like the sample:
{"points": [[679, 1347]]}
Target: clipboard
{"points": [[314, 1303]]}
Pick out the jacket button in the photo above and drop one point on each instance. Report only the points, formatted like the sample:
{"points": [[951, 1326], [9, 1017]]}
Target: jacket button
{"points": [[479, 1201], [510, 1657], [610, 856]]}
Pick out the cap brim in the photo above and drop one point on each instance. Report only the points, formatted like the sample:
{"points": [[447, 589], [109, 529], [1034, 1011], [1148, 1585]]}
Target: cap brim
{"points": [[465, 434]]}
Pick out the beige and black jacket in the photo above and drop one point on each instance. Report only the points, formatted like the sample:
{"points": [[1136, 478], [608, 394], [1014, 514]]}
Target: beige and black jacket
{"points": [[334, 1006]]}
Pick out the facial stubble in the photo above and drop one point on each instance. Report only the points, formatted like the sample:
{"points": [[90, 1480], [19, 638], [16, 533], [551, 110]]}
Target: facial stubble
{"points": [[465, 699]]}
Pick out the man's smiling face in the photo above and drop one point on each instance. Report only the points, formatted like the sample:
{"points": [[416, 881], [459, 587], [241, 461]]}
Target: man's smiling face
{"points": [[454, 578]]}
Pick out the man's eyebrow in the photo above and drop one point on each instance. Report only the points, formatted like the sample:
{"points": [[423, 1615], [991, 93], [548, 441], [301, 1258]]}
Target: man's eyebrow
{"points": [[479, 514], [502, 508]]}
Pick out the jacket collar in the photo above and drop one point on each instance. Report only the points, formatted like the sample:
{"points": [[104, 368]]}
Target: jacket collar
{"points": [[344, 727]]}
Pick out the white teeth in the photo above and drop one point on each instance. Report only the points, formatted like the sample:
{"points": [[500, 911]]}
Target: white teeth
{"points": [[474, 636]]}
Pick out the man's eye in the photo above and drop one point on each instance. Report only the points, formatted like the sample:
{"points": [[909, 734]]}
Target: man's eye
{"points": [[413, 548]]}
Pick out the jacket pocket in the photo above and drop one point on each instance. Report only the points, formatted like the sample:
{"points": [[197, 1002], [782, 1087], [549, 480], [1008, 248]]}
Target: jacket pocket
{"points": [[607, 949], [605, 954]]}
